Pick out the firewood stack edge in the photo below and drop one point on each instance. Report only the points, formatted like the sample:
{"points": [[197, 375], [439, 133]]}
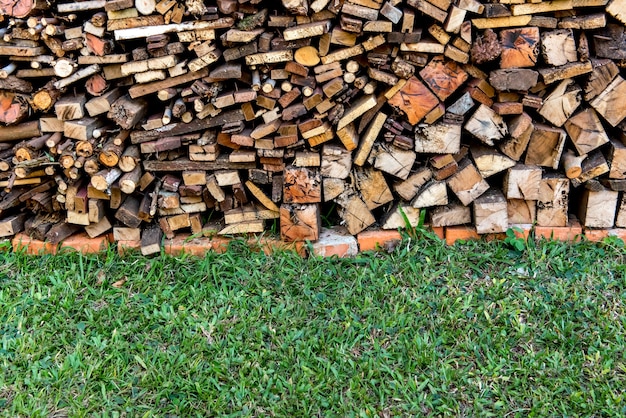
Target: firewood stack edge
{"points": [[148, 118]]}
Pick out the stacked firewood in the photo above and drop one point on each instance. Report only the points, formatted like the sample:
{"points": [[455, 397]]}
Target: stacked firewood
{"points": [[147, 117]]}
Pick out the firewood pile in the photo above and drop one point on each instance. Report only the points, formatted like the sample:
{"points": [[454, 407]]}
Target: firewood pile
{"points": [[144, 117]]}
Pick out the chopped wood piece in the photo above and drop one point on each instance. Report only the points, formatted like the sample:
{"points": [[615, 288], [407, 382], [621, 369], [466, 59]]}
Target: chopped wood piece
{"points": [[354, 212], [467, 184], [486, 125], [545, 146], [597, 208], [561, 103], [414, 99], [522, 182], [490, 213], [553, 200], [299, 222], [520, 47]]}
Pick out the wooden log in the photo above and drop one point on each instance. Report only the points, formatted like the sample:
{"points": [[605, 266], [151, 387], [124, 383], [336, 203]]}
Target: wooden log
{"points": [[521, 211], [609, 103], [561, 103], [597, 209], [545, 146], [433, 193], [553, 202], [520, 47], [415, 100], [372, 186], [439, 138], [394, 160], [450, 215], [14, 107], [522, 182], [299, 222], [490, 212], [486, 125], [354, 212], [467, 184], [301, 185], [593, 166], [489, 161]]}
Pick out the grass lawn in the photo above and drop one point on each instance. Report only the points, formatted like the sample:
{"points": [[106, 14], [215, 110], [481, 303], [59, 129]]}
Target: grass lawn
{"points": [[479, 329]]}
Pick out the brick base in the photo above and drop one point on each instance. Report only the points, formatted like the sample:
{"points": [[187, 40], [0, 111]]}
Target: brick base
{"points": [[333, 241]]}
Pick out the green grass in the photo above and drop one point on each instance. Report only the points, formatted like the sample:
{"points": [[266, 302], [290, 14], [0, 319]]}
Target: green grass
{"points": [[479, 329]]}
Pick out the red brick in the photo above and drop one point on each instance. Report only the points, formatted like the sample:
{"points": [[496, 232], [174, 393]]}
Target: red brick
{"points": [[571, 232], [82, 243], [125, 247], [271, 245], [596, 235], [618, 232], [522, 230], [375, 239], [335, 241], [182, 243], [439, 231], [32, 246], [460, 232]]}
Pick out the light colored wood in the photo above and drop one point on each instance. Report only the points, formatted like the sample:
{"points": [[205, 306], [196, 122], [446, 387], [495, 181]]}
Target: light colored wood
{"points": [[401, 216], [501, 22], [520, 129], [558, 47], [433, 193], [553, 200], [617, 158], [307, 30], [593, 166], [543, 7], [307, 56], [427, 46], [569, 70], [522, 182], [450, 215], [617, 9], [610, 104], [489, 161], [586, 131], [486, 125], [395, 161], [336, 161], [272, 57], [146, 31], [407, 189], [332, 188], [521, 211], [490, 213], [561, 103], [545, 146], [572, 164], [102, 104], [440, 138], [367, 142], [354, 212], [372, 186], [261, 197], [597, 209], [78, 75], [357, 109], [349, 137], [467, 184]]}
